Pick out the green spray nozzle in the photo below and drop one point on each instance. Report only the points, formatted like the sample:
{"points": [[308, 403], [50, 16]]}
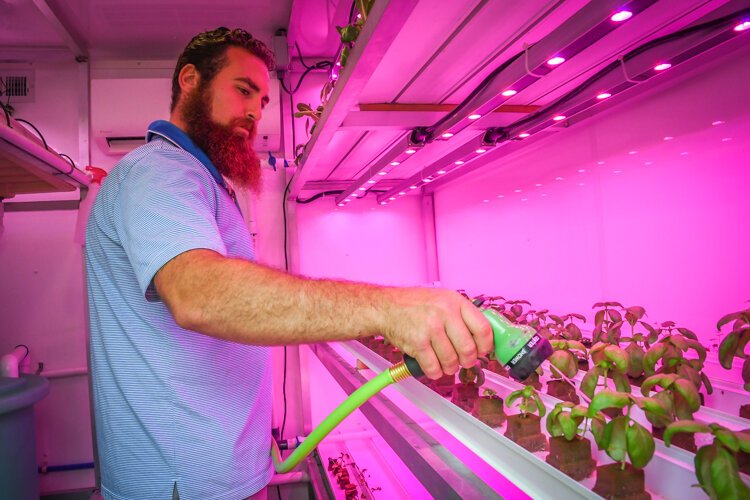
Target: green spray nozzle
{"points": [[517, 347]]}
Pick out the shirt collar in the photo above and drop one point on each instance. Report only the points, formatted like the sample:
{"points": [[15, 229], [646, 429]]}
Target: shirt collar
{"points": [[172, 133]]}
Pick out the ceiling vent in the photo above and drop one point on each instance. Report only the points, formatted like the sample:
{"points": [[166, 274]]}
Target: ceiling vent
{"points": [[16, 85]]}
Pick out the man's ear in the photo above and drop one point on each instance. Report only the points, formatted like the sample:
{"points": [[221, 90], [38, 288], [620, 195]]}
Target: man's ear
{"points": [[189, 78]]}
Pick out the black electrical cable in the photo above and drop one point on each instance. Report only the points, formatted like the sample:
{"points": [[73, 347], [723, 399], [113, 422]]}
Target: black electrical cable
{"points": [[299, 53], [286, 267], [315, 197], [318, 65], [72, 164], [7, 114], [479, 88], [630, 55], [27, 351], [37, 131]]}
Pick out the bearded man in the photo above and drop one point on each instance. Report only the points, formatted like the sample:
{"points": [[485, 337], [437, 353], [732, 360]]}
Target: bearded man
{"points": [[182, 317]]}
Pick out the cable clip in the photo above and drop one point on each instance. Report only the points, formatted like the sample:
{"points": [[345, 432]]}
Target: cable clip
{"points": [[625, 71], [526, 48]]}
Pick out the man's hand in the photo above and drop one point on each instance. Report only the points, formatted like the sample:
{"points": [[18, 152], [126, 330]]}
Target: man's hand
{"points": [[440, 328]]}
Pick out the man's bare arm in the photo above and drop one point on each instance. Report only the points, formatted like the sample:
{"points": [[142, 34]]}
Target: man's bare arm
{"points": [[247, 302]]}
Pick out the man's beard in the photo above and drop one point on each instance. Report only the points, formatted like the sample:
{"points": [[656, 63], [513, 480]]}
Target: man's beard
{"points": [[231, 154]]}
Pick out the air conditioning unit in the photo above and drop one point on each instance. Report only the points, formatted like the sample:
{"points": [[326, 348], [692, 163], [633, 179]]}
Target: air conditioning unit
{"points": [[122, 108], [16, 85]]}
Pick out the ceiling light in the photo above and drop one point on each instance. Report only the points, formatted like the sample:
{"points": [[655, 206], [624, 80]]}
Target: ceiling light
{"points": [[538, 185], [382, 173], [581, 170], [501, 196], [648, 163], [632, 152], [486, 201], [668, 138], [347, 200], [524, 199], [662, 66], [474, 117], [559, 118], [447, 135], [556, 60], [559, 178], [383, 202], [371, 182], [604, 95], [394, 163], [363, 189], [392, 198], [718, 122], [726, 139], [742, 26], [402, 193], [580, 184], [509, 92], [459, 162], [617, 172], [600, 163], [523, 135], [623, 15], [410, 151], [544, 194], [441, 172], [518, 191], [354, 195], [481, 150], [412, 187], [684, 153], [341, 204]]}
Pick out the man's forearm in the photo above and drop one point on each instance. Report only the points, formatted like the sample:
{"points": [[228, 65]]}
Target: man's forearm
{"points": [[250, 303]]}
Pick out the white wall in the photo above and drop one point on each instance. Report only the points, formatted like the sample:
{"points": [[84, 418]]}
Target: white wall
{"points": [[42, 290]]}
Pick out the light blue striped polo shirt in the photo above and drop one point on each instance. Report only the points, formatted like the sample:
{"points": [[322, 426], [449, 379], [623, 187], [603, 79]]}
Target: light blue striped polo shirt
{"points": [[172, 406]]}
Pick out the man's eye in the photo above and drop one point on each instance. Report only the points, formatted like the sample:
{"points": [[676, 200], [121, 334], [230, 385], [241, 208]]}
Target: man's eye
{"points": [[243, 91]]}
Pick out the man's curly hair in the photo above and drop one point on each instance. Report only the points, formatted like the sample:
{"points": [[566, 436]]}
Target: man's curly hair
{"points": [[207, 51]]}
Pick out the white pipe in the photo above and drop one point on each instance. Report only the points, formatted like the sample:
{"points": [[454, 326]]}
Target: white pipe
{"points": [[15, 361], [67, 372], [289, 478]]}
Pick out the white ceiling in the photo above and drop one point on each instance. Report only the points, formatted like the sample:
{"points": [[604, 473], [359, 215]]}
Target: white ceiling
{"points": [[130, 29]]}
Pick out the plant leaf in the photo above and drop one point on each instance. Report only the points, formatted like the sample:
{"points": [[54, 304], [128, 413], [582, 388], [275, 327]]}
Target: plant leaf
{"points": [[597, 430], [573, 331], [727, 349], [744, 441], [687, 390], [615, 315], [569, 426], [599, 317], [539, 405], [565, 362], [652, 356], [575, 345], [703, 459], [697, 347], [557, 319], [657, 412], [641, 445], [728, 439], [683, 426], [619, 357], [663, 380], [607, 399], [588, 382], [513, 396], [727, 318], [725, 477], [617, 445], [554, 428], [622, 383], [688, 333], [746, 370], [636, 354]]}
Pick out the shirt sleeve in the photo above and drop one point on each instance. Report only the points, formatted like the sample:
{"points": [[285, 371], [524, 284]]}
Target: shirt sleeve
{"points": [[167, 206]]}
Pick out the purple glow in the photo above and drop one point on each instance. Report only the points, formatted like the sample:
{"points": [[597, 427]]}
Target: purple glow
{"points": [[662, 66], [481, 150], [523, 135], [617, 172], [354, 195], [474, 117], [486, 201], [501, 196], [604, 95], [581, 170], [556, 60], [347, 200], [538, 185], [668, 138], [632, 152], [410, 151], [447, 135], [559, 118], [509, 92], [742, 26], [623, 15], [518, 190]]}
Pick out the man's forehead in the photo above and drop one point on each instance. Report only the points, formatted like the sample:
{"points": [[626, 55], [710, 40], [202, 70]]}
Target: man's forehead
{"points": [[243, 63]]}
